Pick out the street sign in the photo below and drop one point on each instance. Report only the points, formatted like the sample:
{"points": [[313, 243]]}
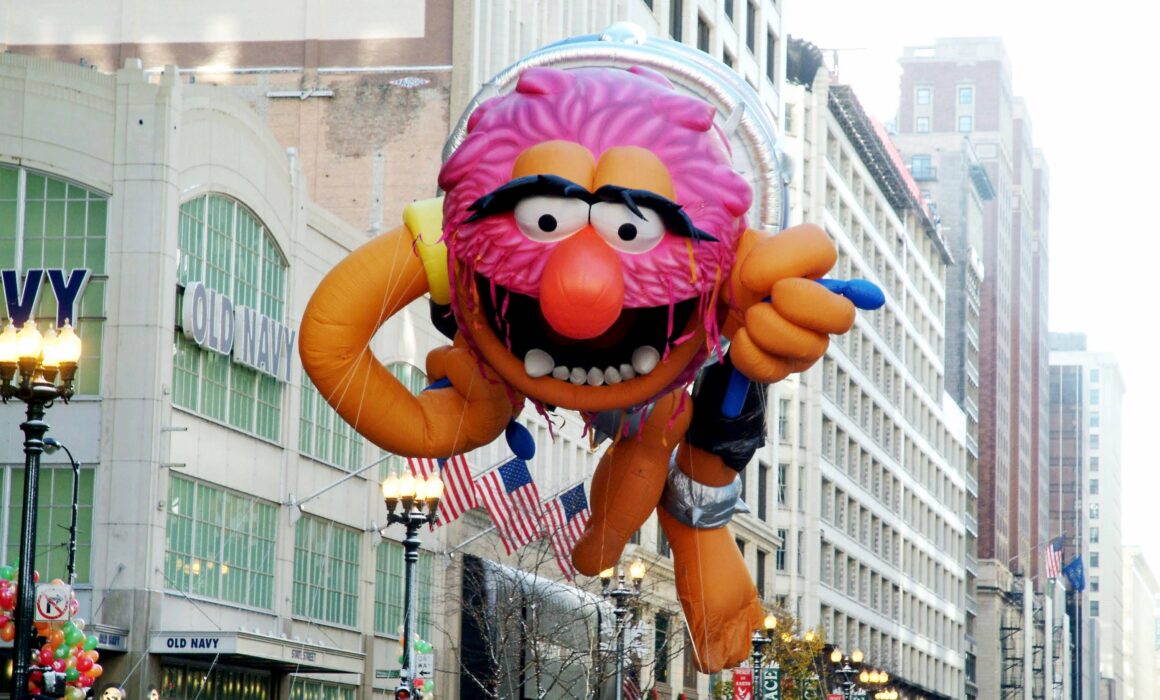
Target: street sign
{"points": [[386, 673], [52, 602], [425, 665], [743, 683], [769, 684]]}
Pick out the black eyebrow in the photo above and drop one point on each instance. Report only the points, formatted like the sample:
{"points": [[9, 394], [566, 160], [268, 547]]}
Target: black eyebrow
{"points": [[672, 214], [505, 198]]}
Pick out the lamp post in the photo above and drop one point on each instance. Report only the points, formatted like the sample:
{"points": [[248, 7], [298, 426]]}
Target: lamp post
{"points": [[51, 445], [886, 695], [30, 365], [846, 668], [621, 595], [761, 642], [420, 502], [874, 679]]}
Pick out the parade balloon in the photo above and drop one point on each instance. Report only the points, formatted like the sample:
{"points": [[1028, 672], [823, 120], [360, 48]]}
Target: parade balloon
{"points": [[609, 233]]}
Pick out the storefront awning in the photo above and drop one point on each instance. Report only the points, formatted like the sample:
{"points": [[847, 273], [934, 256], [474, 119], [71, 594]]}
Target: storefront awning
{"points": [[256, 651]]}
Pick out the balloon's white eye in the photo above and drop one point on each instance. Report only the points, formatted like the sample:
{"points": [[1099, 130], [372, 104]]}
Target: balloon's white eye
{"points": [[548, 219], [626, 231]]}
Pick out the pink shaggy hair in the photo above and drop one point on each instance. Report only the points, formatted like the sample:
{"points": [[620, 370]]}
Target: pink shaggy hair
{"points": [[599, 108]]}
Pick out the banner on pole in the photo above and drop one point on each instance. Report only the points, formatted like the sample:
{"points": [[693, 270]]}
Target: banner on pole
{"points": [[743, 683]]}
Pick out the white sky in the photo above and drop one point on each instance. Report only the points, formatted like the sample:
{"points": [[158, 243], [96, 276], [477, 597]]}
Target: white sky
{"points": [[1087, 72]]}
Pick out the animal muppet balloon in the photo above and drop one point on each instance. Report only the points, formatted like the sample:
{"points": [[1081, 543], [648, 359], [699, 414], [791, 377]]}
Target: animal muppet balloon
{"points": [[599, 243]]}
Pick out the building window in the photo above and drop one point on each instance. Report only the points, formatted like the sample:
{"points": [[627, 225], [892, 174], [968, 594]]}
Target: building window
{"points": [[740, 545], [762, 491], [966, 95], [1095, 608], [966, 123], [779, 554], [1094, 586], [179, 682], [1094, 511], [390, 579], [661, 651], [922, 96], [729, 9], [760, 577], [727, 57], [1095, 397], [1094, 442], [1095, 376], [219, 544], [751, 26], [1094, 560], [771, 62], [326, 585], [703, 36], [922, 125], [1094, 420], [1094, 535], [310, 689], [323, 434], [663, 547], [53, 515], [783, 420], [648, 4], [58, 224], [675, 18], [223, 245], [782, 485], [1094, 462]]}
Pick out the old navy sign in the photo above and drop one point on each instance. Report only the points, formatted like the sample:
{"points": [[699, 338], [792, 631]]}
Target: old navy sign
{"points": [[210, 319], [21, 301]]}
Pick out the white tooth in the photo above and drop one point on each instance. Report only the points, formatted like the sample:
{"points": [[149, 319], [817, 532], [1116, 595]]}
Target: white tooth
{"points": [[561, 373], [627, 372], [595, 377], [538, 363], [579, 375], [645, 359], [612, 375]]}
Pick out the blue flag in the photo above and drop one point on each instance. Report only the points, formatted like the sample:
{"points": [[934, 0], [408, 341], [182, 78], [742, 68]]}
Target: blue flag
{"points": [[1074, 573]]}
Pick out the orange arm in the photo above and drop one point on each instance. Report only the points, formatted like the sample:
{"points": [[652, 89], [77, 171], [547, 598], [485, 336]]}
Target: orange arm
{"points": [[372, 284]]}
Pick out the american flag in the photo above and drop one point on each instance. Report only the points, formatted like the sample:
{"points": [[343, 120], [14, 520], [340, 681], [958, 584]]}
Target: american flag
{"points": [[1053, 558], [566, 515], [458, 486], [630, 685], [512, 499]]}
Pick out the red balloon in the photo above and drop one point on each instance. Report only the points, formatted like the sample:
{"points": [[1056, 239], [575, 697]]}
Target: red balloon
{"points": [[84, 663], [58, 665], [45, 656], [8, 632], [86, 681]]}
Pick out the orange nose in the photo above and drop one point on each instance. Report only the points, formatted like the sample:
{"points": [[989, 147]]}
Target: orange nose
{"points": [[582, 290]]}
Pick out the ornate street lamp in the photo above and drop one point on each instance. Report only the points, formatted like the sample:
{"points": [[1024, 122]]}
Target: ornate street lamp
{"points": [[30, 365], [846, 668], [621, 596], [420, 503], [761, 643]]}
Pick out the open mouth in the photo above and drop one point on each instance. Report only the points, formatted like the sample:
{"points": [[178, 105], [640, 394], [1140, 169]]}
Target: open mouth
{"points": [[633, 346]]}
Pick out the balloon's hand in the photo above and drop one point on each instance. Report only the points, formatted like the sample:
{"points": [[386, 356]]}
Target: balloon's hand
{"points": [[784, 316], [485, 402]]}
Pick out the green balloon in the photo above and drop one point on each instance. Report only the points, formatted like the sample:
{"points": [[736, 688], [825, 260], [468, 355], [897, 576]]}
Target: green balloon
{"points": [[8, 573], [90, 643], [74, 638], [72, 674], [61, 652], [68, 628]]}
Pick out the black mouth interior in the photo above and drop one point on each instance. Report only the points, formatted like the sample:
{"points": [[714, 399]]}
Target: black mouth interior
{"points": [[518, 323]]}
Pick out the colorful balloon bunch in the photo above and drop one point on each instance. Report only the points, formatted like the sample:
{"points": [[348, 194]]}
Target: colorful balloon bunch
{"points": [[66, 650], [427, 685]]}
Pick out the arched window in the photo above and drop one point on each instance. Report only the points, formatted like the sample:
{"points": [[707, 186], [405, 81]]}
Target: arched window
{"points": [[47, 222], [223, 245]]}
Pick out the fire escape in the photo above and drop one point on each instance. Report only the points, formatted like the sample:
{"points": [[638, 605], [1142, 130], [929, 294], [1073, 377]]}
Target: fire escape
{"points": [[1039, 668], [1011, 644]]}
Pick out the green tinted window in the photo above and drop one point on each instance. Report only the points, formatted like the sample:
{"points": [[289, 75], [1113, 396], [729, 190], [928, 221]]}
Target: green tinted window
{"points": [[225, 246], [219, 543], [326, 557], [323, 434], [61, 225], [390, 591], [53, 517], [310, 689]]}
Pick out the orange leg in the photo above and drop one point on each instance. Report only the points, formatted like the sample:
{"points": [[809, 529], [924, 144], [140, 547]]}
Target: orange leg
{"points": [[627, 486], [715, 588]]}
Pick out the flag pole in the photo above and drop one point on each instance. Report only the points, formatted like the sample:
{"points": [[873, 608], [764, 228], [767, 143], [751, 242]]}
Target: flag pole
{"points": [[491, 528]]}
